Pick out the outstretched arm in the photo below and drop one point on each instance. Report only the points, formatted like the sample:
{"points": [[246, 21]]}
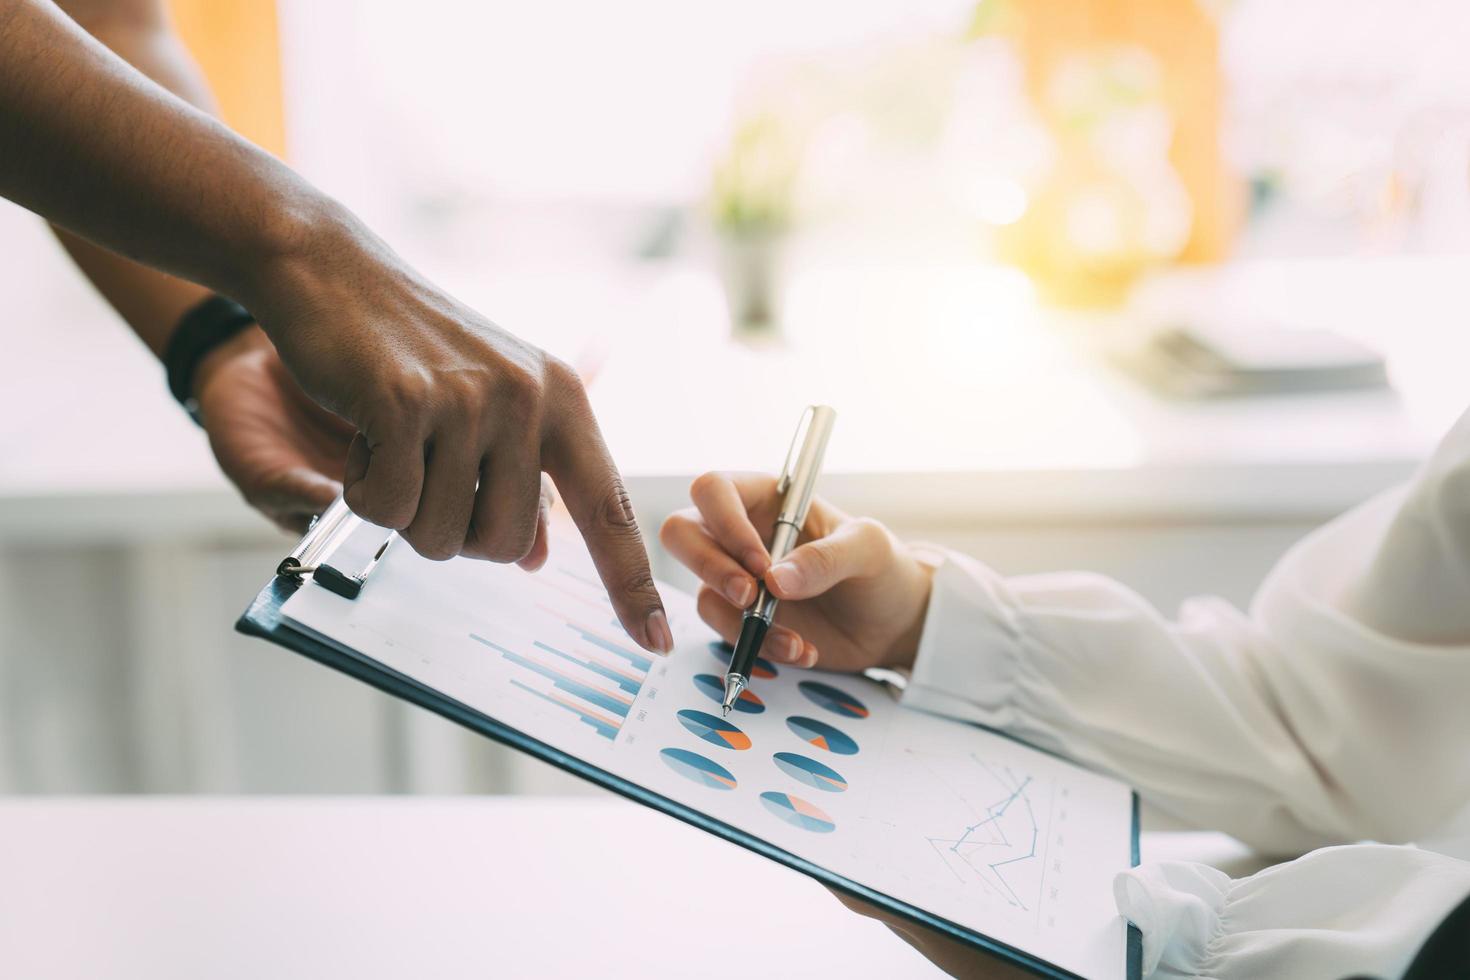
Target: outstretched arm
{"points": [[455, 418], [283, 452], [137, 31], [123, 162], [1332, 712]]}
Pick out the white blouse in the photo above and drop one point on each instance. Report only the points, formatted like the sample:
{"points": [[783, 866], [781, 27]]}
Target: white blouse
{"points": [[1337, 710]]}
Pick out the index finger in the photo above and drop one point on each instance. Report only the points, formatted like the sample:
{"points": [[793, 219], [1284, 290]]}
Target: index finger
{"points": [[729, 506], [578, 462]]}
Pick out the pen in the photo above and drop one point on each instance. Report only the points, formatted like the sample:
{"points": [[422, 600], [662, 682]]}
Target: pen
{"points": [[797, 482]]}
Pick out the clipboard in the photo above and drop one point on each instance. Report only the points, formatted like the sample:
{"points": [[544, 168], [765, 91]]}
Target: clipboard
{"points": [[340, 553]]}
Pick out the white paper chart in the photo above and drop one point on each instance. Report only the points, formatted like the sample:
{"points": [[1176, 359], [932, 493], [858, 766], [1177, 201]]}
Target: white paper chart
{"points": [[971, 826]]}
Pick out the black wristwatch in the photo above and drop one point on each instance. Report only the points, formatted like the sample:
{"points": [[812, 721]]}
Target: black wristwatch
{"points": [[200, 331]]}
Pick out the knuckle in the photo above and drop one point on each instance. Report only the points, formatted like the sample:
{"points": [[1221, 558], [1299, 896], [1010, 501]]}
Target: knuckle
{"points": [[704, 486], [459, 396], [466, 392], [432, 547], [614, 512], [506, 545], [562, 378], [639, 585], [367, 505], [874, 545], [872, 534], [406, 396], [712, 568], [821, 561], [676, 526], [521, 393], [504, 529], [669, 530]]}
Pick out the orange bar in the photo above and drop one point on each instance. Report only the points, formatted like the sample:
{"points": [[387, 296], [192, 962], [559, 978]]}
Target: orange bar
{"points": [[582, 709]]}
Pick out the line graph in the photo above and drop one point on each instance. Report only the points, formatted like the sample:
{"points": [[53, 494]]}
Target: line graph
{"points": [[999, 849]]}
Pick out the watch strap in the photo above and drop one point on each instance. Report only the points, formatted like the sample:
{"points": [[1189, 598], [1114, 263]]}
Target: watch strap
{"points": [[200, 330]]}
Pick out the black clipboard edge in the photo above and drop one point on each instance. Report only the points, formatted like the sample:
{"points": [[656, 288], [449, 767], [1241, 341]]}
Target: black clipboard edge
{"points": [[263, 619]]}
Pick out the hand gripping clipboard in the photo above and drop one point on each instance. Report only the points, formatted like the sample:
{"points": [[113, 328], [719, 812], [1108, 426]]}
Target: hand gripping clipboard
{"points": [[340, 553]]}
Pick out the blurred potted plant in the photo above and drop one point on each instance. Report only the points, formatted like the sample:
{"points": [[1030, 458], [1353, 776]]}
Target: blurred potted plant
{"points": [[751, 204]]}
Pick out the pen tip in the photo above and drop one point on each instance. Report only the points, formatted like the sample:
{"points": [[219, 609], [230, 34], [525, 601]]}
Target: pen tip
{"points": [[724, 711]]}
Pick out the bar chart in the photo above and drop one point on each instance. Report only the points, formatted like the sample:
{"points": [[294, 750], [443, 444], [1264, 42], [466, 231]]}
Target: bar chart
{"points": [[589, 674]]}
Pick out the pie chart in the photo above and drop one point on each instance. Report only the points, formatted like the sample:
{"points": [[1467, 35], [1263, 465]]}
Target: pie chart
{"points": [[696, 768], [716, 731], [810, 772], [715, 688], [762, 668], [821, 734], [833, 699], [798, 812]]}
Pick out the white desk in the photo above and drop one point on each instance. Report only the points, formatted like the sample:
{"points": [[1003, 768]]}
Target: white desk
{"points": [[157, 889], [165, 888]]}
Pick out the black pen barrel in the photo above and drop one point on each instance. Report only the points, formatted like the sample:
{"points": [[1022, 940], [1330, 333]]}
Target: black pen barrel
{"points": [[752, 634]]}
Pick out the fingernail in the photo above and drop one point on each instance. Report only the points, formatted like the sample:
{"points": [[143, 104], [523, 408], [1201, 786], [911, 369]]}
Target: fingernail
{"points": [[786, 576], [809, 656], [738, 590], [786, 648], [659, 635]]}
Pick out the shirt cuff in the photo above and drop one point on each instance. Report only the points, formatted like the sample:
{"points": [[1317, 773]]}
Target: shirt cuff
{"points": [[1361, 909], [967, 659]]}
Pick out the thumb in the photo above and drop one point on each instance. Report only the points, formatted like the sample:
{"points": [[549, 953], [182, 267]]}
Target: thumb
{"points": [[854, 549]]}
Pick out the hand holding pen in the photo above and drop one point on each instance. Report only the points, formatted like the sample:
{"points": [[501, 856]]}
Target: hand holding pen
{"points": [[852, 595], [796, 485]]}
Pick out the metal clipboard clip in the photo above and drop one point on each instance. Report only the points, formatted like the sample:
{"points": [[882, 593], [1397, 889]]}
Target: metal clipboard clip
{"points": [[336, 541]]}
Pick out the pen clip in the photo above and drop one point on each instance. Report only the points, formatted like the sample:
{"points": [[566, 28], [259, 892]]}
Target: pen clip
{"points": [[783, 482]]}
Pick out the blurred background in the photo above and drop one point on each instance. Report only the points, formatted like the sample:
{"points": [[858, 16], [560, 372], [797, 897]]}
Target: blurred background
{"points": [[1150, 287]]}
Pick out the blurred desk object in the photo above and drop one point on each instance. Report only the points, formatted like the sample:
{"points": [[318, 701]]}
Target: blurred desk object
{"points": [[169, 888], [955, 385], [970, 419]]}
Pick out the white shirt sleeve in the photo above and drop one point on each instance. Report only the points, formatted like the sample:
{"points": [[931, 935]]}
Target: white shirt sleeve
{"points": [[1333, 712], [1358, 910]]}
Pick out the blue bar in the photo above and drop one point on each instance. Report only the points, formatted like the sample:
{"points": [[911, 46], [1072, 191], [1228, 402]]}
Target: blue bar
{"points": [[586, 692], [593, 696], [628, 685], [640, 663], [598, 726], [493, 646]]}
